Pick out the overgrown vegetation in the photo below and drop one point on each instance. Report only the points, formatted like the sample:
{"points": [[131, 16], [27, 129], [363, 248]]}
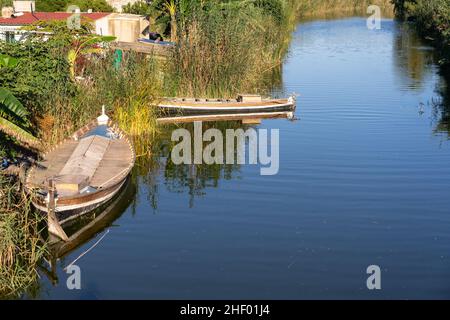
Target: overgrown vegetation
{"points": [[432, 19], [308, 8], [5, 3], [21, 246], [62, 5]]}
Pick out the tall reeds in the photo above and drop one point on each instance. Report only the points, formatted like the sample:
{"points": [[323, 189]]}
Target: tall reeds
{"points": [[21, 246], [223, 52], [312, 8], [128, 89]]}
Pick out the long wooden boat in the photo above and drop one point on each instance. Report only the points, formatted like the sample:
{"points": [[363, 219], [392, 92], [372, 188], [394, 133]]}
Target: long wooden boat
{"points": [[243, 104], [81, 174]]}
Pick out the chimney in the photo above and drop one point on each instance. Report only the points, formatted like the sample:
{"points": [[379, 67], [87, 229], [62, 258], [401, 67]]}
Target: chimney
{"points": [[24, 5], [7, 12]]}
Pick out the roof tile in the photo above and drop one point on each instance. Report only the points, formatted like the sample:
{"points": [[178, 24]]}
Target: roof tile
{"points": [[29, 18]]}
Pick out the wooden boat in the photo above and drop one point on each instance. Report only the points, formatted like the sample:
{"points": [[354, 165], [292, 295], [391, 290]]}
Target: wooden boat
{"points": [[244, 104], [81, 174]]}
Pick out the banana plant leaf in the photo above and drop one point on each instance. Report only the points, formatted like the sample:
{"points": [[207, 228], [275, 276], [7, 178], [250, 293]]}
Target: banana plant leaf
{"points": [[10, 104], [8, 62]]}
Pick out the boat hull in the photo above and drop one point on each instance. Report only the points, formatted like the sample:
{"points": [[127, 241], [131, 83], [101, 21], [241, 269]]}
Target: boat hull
{"points": [[70, 209], [169, 109]]}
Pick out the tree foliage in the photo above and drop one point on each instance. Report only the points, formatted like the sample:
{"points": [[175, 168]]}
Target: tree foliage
{"points": [[62, 5], [432, 19]]}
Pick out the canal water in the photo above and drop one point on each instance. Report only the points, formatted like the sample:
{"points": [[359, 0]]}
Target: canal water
{"points": [[364, 180]]}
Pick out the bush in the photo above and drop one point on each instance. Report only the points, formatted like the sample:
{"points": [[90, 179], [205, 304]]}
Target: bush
{"points": [[62, 5], [432, 19]]}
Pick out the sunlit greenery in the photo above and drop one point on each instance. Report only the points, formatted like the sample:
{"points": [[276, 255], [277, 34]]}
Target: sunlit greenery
{"points": [[62, 5], [432, 19]]}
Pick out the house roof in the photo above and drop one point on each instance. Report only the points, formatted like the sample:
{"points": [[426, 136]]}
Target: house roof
{"points": [[30, 18]]}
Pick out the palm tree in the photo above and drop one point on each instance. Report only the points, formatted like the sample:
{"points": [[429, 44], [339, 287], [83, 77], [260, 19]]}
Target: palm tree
{"points": [[171, 8], [87, 44], [13, 115]]}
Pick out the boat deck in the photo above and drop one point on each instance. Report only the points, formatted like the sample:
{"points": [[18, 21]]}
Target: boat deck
{"points": [[101, 161]]}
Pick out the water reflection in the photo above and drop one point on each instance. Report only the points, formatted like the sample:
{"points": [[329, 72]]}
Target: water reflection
{"points": [[193, 179], [84, 229], [412, 58], [442, 107], [416, 63]]}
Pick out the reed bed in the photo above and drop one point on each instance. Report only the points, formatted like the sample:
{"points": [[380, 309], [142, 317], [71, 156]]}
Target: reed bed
{"points": [[313, 8], [220, 55], [128, 91], [21, 246]]}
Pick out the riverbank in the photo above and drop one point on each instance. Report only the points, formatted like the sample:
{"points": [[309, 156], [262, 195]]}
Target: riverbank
{"points": [[432, 20]]}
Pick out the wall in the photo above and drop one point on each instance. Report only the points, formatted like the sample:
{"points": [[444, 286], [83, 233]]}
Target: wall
{"points": [[126, 27], [24, 6]]}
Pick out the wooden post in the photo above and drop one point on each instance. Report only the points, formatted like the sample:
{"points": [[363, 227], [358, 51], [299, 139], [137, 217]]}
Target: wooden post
{"points": [[53, 224]]}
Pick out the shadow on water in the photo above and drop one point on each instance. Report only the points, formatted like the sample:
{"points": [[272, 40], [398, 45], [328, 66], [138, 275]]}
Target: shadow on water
{"points": [[415, 61], [86, 228], [442, 108], [412, 58]]}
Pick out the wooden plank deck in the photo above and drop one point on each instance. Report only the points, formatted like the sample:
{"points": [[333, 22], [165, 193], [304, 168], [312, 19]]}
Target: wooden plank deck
{"points": [[86, 157], [99, 160], [53, 163]]}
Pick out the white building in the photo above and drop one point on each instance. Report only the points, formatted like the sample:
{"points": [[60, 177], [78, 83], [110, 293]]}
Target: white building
{"points": [[125, 27]]}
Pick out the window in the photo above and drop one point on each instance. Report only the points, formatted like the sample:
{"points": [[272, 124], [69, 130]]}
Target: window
{"points": [[10, 37]]}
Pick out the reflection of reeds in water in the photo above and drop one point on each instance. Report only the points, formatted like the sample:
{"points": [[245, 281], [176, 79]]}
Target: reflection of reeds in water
{"points": [[192, 179], [412, 57], [442, 107]]}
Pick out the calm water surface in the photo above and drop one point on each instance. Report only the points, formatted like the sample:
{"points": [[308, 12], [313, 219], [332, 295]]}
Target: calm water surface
{"points": [[364, 179]]}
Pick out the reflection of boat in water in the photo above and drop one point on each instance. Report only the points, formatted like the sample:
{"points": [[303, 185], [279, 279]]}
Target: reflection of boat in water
{"points": [[81, 174], [245, 118], [87, 227], [82, 230], [244, 104]]}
